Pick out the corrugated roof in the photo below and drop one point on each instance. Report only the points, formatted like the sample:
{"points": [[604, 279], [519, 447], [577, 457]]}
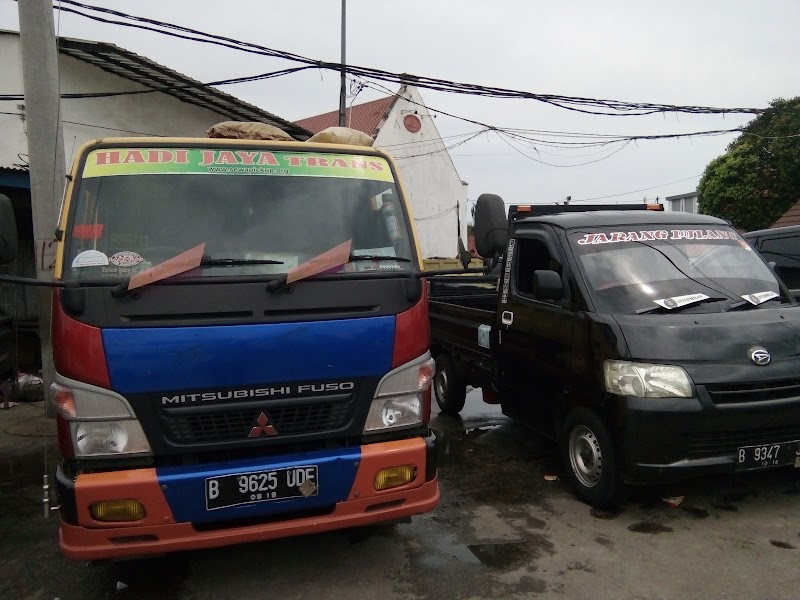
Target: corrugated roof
{"points": [[790, 217], [142, 70], [364, 117]]}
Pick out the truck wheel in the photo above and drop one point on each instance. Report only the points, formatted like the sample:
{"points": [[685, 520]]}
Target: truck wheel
{"points": [[448, 387], [590, 459]]}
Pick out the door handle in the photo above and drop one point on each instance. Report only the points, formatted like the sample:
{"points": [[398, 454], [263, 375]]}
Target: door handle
{"points": [[507, 318]]}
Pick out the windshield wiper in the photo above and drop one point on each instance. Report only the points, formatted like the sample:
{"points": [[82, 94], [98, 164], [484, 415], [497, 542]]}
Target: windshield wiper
{"points": [[207, 261], [355, 257], [650, 309], [748, 305]]}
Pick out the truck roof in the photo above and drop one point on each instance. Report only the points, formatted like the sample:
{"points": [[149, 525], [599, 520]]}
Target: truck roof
{"points": [[620, 218]]}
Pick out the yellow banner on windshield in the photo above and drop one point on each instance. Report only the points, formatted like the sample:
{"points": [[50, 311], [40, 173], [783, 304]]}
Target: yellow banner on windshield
{"points": [[199, 161]]}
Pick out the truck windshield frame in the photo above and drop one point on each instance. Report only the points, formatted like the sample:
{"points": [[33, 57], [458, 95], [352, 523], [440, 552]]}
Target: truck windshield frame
{"points": [[269, 209], [631, 269]]}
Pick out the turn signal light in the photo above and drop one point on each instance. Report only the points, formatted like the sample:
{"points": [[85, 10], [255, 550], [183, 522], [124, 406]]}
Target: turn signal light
{"points": [[394, 477], [117, 510]]}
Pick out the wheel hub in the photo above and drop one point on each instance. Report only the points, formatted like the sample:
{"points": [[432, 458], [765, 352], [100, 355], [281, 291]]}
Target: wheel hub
{"points": [[585, 456]]}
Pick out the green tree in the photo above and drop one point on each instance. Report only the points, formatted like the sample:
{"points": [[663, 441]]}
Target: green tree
{"points": [[758, 177]]}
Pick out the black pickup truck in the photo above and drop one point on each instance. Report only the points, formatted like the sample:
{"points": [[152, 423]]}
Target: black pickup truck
{"points": [[651, 345]]}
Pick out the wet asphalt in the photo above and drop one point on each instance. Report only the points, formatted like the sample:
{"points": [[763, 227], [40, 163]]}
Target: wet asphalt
{"points": [[502, 530]]}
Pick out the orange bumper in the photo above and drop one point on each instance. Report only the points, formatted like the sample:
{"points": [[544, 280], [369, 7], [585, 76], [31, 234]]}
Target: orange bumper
{"points": [[158, 533]]}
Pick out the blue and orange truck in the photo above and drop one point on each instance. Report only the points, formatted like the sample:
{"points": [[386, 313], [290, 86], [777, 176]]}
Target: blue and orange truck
{"points": [[241, 344]]}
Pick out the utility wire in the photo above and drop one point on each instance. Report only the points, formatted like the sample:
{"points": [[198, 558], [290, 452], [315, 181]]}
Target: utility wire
{"points": [[595, 106], [636, 191]]}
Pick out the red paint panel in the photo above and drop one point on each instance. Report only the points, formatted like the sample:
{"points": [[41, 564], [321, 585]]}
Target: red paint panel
{"points": [[78, 348], [412, 331]]}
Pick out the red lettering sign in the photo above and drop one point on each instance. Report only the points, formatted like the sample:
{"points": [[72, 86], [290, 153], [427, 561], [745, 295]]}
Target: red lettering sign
{"points": [[87, 232]]}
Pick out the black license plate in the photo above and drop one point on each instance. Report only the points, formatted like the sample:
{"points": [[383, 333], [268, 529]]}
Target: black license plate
{"points": [[764, 456], [261, 486]]}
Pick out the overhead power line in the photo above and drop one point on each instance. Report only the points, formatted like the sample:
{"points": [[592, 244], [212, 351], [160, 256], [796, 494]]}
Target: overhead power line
{"points": [[594, 106]]}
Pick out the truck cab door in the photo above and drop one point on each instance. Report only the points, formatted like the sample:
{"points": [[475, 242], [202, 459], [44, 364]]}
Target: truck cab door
{"points": [[534, 331]]}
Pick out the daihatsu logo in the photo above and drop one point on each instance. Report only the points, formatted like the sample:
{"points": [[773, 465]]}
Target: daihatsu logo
{"points": [[760, 356]]}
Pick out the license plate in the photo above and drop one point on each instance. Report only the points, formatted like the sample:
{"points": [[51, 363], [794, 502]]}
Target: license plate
{"points": [[261, 486], [768, 455]]}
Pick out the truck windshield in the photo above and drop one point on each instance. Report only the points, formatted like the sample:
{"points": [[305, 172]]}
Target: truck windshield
{"points": [[257, 212], [637, 270]]}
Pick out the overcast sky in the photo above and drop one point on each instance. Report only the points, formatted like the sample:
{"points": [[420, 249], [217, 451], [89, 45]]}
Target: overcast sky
{"points": [[713, 53]]}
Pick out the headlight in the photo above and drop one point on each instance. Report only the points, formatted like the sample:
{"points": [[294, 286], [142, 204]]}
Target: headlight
{"points": [[100, 422], [401, 395], [95, 438], [646, 381]]}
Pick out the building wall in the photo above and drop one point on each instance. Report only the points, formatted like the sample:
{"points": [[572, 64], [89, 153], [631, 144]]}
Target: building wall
{"points": [[682, 204], [436, 193]]}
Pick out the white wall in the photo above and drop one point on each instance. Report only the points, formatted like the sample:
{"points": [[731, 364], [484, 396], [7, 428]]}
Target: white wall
{"points": [[144, 114], [429, 177], [12, 131]]}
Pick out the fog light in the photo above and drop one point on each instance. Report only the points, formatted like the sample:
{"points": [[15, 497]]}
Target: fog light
{"points": [[394, 476], [117, 510]]}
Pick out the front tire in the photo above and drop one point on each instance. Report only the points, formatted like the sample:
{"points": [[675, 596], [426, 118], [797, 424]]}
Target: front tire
{"points": [[590, 459], [449, 388]]}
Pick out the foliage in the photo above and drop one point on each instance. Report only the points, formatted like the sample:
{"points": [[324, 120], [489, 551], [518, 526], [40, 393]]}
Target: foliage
{"points": [[758, 178]]}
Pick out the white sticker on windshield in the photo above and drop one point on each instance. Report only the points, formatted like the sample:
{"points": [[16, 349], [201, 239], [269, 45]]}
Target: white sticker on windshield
{"points": [[90, 258], [760, 297], [125, 259], [676, 301]]}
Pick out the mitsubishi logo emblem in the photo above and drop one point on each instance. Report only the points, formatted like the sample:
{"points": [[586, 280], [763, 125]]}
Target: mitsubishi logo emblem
{"points": [[262, 426]]}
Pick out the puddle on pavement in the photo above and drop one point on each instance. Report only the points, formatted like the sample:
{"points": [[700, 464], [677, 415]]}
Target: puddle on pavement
{"points": [[500, 556], [479, 431], [697, 513], [649, 527], [606, 514]]}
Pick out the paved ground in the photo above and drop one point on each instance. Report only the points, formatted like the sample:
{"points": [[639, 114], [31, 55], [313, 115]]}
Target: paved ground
{"points": [[502, 531]]}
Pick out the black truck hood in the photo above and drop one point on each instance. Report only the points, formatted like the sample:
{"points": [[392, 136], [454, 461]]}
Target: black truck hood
{"points": [[715, 347]]}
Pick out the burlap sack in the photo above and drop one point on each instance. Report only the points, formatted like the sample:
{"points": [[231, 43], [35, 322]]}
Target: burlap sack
{"points": [[244, 130], [342, 135]]}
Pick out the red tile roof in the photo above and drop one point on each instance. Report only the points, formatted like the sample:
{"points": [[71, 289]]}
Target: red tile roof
{"points": [[790, 217], [364, 117]]}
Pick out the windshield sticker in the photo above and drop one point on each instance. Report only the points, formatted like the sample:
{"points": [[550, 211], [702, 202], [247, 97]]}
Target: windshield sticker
{"points": [[125, 259], [760, 297], [677, 301], [90, 258], [199, 161], [615, 237], [87, 232]]}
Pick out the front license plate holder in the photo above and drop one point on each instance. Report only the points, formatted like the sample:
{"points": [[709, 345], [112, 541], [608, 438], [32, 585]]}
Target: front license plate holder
{"points": [[261, 486], [764, 456]]}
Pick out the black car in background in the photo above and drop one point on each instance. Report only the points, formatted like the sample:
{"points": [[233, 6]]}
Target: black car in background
{"points": [[780, 246]]}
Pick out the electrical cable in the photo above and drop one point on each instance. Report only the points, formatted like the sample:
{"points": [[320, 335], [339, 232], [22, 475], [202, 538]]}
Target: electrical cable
{"points": [[594, 106]]}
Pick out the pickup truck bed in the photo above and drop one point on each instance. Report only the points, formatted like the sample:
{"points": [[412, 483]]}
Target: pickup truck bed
{"points": [[462, 315]]}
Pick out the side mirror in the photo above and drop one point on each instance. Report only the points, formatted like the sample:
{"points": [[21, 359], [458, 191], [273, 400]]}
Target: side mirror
{"points": [[491, 225], [8, 232], [547, 285]]}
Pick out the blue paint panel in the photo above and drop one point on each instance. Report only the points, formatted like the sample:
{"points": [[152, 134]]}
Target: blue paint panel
{"points": [[161, 359], [185, 486]]}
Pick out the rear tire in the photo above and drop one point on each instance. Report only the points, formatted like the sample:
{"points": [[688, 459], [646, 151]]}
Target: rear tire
{"points": [[449, 387], [590, 459]]}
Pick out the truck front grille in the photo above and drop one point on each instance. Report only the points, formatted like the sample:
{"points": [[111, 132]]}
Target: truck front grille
{"points": [[703, 445], [235, 425], [738, 393]]}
